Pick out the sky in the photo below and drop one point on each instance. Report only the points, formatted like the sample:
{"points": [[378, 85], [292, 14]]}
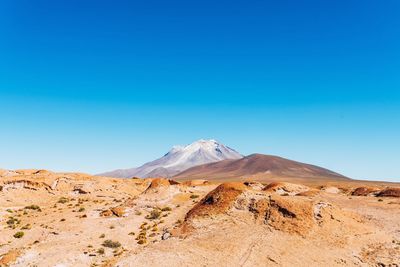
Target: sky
{"points": [[94, 85]]}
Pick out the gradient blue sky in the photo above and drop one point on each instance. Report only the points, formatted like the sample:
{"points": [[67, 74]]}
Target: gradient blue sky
{"points": [[97, 85]]}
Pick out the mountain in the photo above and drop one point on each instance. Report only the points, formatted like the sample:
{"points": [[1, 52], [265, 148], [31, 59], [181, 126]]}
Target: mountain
{"points": [[258, 166], [180, 158]]}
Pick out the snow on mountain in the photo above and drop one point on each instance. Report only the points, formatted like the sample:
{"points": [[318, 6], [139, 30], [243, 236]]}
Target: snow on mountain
{"points": [[180, 158]]}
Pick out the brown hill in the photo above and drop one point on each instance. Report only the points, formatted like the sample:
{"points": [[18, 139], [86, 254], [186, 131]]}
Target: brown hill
{"points": [[258, 166]]}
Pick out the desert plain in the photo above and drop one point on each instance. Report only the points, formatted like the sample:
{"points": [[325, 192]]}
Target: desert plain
{"points": [[75, 219]]}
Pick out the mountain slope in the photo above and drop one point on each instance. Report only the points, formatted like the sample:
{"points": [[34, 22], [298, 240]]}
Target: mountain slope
{"points": [[180, 158], [259, 165]]}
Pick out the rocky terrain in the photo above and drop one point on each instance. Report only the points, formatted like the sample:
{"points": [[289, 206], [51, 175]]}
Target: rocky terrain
{"points": [[73, 219]]}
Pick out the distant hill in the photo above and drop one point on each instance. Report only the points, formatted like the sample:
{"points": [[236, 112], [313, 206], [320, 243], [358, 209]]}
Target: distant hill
{"points": [[258, 165]]}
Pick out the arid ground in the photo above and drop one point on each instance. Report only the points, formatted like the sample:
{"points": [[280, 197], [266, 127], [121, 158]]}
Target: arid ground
{"points": [[71, 219]]}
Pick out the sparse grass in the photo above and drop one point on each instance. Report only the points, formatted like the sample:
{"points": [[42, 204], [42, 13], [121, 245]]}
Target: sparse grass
{"points": [[26, 227], [19, 234], [166, 209], [111, 244], [9, 210], [33, 207], [12, 222]]}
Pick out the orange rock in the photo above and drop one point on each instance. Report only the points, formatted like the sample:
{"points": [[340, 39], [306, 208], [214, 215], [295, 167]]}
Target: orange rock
{"points": [[217, 201], [292, 215], [118, 211], [106, 213], [9, 257]]}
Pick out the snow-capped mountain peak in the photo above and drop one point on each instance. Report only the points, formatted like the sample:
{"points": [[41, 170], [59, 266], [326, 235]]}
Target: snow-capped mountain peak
{"points": [[180, 158]]}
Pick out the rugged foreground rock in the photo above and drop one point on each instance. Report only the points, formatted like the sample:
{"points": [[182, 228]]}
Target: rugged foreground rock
{"points": [[69, 219]]}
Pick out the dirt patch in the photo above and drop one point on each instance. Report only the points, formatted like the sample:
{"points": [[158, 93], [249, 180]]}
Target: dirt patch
{"points": [[309, 193], [193, 183]]}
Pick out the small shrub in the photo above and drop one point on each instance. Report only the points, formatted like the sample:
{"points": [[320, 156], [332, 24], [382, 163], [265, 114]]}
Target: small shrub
{"points": [[63, 200], [19, 234], [141, 241], [154, 214], [100, 251], [380, 200], [81, 209], [111, 244], [102, 236], [166, 209], [62, 220], [131, 233], [194, 196]]}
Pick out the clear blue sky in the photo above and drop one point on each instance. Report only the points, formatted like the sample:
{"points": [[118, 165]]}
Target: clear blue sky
{"points": [[97, 85]]}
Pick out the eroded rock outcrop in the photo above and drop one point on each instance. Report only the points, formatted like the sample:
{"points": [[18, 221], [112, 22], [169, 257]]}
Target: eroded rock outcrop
{"points": [[389, 192], [365, 191]]}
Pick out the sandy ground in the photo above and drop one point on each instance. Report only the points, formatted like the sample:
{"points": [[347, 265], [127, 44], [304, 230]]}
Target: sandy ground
{"points": [[80, 220]]}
